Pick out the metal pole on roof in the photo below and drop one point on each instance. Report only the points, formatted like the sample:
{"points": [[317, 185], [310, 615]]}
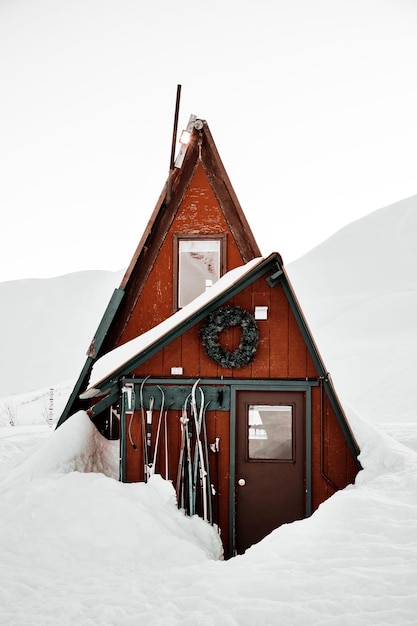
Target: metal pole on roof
{"points": [[174, 141]]}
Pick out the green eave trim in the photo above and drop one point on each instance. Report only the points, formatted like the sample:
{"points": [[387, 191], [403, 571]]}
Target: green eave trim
{"points": [[276, 275], [257, 272], [318, 363], [106, 402], [106, 320], [73, 401]]}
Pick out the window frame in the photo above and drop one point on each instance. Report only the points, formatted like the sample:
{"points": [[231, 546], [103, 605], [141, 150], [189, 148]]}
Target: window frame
{"points": [[178, 237], [272, 459]]}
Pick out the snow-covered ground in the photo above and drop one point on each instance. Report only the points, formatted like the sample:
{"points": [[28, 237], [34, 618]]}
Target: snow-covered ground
{"points": [[81, 548], [78, 547]]}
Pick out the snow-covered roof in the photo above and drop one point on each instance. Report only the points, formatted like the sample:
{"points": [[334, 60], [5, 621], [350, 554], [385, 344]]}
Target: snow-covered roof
{"points": [[115, 359]]}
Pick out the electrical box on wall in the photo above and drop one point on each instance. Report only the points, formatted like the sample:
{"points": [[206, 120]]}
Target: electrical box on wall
{"points": [[261, 312]]}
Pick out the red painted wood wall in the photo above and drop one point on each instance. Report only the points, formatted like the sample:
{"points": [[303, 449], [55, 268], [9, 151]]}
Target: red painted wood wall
{"points": [[198, 214], [282, 354]]}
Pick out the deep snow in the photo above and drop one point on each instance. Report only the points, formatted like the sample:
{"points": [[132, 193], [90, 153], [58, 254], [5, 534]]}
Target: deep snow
{"points": [[81, 548], [78, 547]]}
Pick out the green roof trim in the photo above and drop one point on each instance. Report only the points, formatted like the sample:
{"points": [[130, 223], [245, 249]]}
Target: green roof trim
{"points": [[106, 320], [141, 357], [74, 402]]}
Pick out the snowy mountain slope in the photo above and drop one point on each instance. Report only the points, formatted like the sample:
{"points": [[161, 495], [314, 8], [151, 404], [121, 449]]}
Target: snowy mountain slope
{"points": [[359, 293], [46, 326]]}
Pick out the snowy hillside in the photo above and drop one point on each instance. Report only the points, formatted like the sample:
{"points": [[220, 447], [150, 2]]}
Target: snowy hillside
{"points": [[359, 294], [79, 547], [46, 326]]}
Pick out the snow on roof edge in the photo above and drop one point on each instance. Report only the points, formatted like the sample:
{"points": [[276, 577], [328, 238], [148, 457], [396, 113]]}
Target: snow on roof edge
{"points": [[116, 358]]}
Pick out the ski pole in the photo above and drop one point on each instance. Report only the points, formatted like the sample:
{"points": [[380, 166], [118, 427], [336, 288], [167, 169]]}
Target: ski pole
{"points": [[142, 412], [180, 473], [161, 411], [149, 413], [207, 462]]}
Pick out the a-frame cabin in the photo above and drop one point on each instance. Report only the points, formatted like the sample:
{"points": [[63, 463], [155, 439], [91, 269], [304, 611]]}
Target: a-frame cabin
{"points": [[205, 368]]}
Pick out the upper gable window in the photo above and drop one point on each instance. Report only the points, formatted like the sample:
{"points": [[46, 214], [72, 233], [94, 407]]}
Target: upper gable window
{"points": [[199, 266]]}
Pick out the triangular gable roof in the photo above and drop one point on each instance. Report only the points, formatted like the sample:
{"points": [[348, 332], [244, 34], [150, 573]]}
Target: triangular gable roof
{"points": [[116, 362], [200, 149], [120, 362]]}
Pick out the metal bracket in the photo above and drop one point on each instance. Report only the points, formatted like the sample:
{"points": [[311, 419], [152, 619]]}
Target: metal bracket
{"points": [[274, 278], [216, 397]]}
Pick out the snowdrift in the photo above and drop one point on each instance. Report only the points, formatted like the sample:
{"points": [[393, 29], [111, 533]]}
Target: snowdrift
{"points": [[359, 293], [80, 547]]}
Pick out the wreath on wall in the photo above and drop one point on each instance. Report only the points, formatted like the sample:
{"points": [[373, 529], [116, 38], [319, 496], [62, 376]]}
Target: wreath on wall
{"points": [[223, 319]]}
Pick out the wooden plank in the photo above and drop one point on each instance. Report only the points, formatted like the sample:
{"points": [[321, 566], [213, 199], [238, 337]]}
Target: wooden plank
{"points": [[319, 487], [155, 364], [190, 352], [134, 456], [224, 191], [335, 451], [279, 341], [311, 371], [297, 350], [261, 296], [172, 357], [222, 430]]}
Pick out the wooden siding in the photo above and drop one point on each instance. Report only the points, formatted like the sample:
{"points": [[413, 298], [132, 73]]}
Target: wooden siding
{"points": [[282, 352], [282, 355], [333, 466], [199, 214], [218, 425]]}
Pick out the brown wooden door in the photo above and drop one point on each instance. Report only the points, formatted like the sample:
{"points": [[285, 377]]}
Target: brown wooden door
{"points": [[270, 463]]}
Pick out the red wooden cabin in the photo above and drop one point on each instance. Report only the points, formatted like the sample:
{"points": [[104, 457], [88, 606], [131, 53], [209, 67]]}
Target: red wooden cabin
{"points": [[206, 336]]}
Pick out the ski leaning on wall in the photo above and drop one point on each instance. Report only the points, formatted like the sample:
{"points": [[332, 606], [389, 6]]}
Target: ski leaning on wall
{"points": [[194, 490]]}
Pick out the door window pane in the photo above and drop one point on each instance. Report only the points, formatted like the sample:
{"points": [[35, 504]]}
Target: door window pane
{"points": [[270, 432], [198, 267]]}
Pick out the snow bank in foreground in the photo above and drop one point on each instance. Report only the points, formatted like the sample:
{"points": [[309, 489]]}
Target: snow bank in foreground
{"points": [[353, 562], [82, 548], [76, 446], [64, 496]]}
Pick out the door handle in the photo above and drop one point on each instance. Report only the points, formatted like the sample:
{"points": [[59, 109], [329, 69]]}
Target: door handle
{"points": [[241, 482]]}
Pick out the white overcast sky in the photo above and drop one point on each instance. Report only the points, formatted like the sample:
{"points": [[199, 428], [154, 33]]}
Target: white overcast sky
{"points": [[312, 105]]}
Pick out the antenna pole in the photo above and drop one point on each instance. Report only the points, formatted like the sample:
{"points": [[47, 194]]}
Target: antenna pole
{"points": [[174, 141], [174, 133]]}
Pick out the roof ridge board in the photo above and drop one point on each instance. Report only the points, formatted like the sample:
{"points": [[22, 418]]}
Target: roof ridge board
{"points": [[156, 229], [228, 187]]}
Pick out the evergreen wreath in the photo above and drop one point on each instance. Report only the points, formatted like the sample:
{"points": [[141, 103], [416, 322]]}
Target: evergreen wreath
{"points": [[225, 318]]}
